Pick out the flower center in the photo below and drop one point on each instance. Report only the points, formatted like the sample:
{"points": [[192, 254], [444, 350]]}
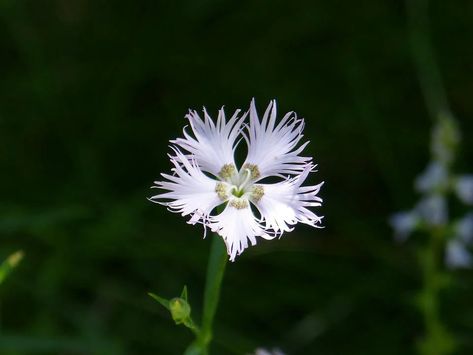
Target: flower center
{"points": [[237, 187], [237, 192]]}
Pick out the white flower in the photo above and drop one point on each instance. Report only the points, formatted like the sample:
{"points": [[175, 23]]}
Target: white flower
{"points": [[433, 210], [206, 176], [457, 255], [464, 229], [434, 178], [404, 223], [214, 144], [464, 188], [271, 146], [262, 351]]}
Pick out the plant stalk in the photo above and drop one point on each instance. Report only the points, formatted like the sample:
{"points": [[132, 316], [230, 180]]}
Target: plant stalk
{"points": [[215, 271]]}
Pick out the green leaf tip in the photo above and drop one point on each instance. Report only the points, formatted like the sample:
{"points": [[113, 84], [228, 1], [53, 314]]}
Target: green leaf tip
{"points": [[184, 293], [164, 302]]}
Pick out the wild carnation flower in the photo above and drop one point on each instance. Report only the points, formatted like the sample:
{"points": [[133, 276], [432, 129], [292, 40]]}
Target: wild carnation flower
{"points": [[206, 176]]}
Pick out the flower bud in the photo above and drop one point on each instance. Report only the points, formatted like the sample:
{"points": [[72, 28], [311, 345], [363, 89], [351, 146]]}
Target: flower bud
{"points": [[180, 310]]}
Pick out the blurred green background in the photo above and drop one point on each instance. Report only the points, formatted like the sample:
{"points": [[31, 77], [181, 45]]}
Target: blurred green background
{"points": [[90, 94]]}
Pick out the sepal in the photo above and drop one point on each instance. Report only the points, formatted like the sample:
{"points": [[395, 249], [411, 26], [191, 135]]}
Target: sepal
{"points": [[179, 308]]}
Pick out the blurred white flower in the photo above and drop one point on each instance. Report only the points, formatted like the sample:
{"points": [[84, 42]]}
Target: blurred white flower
{"points": [[205, 176], [261, 351], [464, 229], [404, 223], [433, 210], [464, 188], [434, 178], [457, 255]]}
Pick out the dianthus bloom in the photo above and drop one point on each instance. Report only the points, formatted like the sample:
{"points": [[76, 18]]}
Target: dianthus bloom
{"points": [[206, 176]]}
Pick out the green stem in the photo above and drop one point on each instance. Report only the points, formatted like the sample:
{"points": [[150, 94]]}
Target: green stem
{"points": [[215, 271], [437, 340]]}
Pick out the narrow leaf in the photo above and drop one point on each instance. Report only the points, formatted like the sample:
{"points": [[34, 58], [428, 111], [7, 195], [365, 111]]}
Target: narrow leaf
{"points": [[184, 293], [162, 301]]}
